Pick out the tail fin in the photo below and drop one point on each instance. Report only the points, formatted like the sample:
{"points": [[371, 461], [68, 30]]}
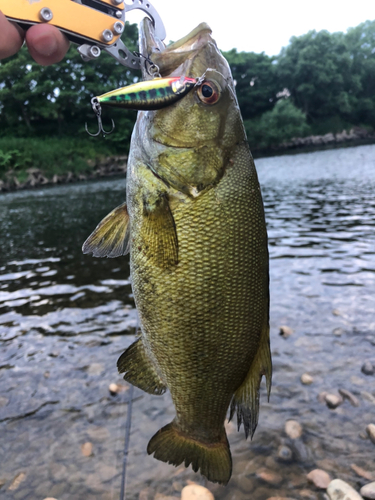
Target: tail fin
{"points": [[214, 460]]}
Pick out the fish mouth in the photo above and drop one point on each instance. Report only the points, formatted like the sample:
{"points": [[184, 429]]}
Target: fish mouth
{"points": [[177, 58]]}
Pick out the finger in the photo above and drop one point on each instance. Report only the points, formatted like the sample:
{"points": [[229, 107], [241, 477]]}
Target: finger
{"points": [[46, 44], [11, 37]]}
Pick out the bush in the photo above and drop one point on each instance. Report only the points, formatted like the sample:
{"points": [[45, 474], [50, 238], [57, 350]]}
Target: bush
{"points": [[279, 125]]}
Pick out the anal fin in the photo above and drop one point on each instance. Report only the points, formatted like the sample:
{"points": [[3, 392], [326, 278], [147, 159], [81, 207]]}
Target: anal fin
{"points": [[138, 369], [245, 401]]}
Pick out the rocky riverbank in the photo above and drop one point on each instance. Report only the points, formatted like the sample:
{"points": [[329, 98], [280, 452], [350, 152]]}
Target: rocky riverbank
{"points": [[105, 167], [116, 165], [356, 136]]}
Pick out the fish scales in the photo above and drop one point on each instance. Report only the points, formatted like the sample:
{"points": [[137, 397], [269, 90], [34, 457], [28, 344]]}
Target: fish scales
{"points": [[194, 222]]}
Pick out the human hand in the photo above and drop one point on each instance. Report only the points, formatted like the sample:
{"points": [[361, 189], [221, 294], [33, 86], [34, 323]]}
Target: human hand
{"points": [[46, 44]]}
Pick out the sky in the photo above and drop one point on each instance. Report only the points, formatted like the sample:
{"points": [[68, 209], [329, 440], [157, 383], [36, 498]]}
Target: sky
{"points": [[259, 26]]}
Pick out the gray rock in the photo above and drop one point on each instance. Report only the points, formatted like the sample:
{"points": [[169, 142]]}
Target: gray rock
{"points": [[368, 368], [340, 490], [284, 453], [349, 396], [368, 491]]}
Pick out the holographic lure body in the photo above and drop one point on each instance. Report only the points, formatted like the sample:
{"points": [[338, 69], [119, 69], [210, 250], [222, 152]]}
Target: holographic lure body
{"points": [[149, 95]]}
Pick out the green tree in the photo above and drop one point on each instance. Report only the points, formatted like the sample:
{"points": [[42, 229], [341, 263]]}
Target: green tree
{"points": [[279, 125], [361, 45], [256, 81], [316, 68]]}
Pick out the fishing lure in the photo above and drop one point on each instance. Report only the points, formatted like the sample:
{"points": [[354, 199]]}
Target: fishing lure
{"points": [[146, 95]]}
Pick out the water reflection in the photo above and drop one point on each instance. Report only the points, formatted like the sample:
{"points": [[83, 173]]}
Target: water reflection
{"points": [[65, 318]]}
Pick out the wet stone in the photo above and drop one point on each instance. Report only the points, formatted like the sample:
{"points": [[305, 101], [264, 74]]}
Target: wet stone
{"points": [[368, 368], [333, 401], [370, 429], [368, 491], [340, 490], [319, 478], [306, 379], [293, 429], [196, 492]]}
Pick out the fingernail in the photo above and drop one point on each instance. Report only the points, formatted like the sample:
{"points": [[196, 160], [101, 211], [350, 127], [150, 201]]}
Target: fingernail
{"points": [[45, 44]]}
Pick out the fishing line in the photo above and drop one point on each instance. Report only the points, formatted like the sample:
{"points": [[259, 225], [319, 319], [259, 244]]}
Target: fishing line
{"points": [[126, 444]]}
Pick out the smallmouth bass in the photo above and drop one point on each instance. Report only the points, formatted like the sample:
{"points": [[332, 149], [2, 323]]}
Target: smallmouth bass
{"points": [[194, 224]]}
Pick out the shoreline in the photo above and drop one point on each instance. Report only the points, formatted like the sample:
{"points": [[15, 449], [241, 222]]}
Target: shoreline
{"points": [[116, 165]]}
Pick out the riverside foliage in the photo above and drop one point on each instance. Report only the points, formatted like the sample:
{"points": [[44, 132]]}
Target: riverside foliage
{"points": [[321, 82]]}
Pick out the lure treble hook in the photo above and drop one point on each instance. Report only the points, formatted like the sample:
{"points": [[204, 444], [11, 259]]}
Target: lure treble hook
{"points": [[98, 111]]}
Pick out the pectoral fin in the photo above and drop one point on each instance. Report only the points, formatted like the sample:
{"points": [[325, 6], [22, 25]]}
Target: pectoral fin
{"points": [[111, 236], [138, 369], [159, 233]]}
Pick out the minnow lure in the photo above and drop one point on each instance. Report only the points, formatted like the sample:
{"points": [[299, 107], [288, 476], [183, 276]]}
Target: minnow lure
{"points": [[146, 95]]}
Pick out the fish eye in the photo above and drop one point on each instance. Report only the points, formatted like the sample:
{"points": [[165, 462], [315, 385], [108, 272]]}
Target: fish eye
{"points": [[208, 92]]}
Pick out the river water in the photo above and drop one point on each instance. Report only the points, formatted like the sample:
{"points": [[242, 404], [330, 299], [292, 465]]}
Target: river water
{"points": [[65, 318]]}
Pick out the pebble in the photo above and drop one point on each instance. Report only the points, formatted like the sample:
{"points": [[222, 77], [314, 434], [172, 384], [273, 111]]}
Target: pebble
{"points": [[285, 331], [306, 379], [86, 449], [363, 473], [196, 492], [370, 429], [17, 481], [336, 312], [319, 478], [349, 396], [293, 429], [368, 396], [368, 368], [50, 498], [269, 476], [333, 401], [338, 332], [368, 491], [116, 388], [340, 490], [284, 453]]}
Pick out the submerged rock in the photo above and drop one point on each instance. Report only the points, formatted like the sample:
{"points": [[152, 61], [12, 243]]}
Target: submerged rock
{"points": [[306, 379], [196, 492], [17, 480], [340, 490], [363, 473], [284, 453], [86, 449], [293, 429], [368, 368], [349, 396], [319, 478], [285, 331], [269, 476], [333, 401]]}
